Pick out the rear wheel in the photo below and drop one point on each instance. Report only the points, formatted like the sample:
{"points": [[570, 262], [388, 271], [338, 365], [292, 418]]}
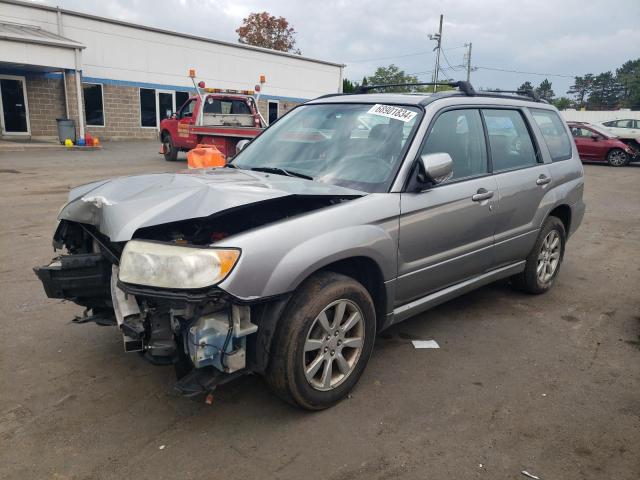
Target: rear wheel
{"points": [[543, 263], [323, 342], [169, 150], [617, 158]]}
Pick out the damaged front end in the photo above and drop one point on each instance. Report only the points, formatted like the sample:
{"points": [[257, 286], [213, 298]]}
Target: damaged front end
{"points": [[201, 331], [160, 289]]}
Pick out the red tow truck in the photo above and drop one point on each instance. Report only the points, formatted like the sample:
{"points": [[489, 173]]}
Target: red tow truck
{"points": [[212, 117]]}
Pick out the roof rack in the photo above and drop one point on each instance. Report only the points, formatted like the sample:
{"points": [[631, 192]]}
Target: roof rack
{"points": [[464, 87], [525, 93]]}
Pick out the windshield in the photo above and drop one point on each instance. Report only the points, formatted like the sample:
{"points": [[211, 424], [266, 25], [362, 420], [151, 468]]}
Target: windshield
{"points": [[350, 145]]}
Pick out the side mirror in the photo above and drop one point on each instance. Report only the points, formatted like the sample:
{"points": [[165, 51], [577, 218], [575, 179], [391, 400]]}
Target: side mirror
{"points": [[438, 167], [241, 145], [595, 137]]}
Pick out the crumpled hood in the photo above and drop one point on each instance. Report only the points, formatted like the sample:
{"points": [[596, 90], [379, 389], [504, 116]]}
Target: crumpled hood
{"points": [[120, 206]]}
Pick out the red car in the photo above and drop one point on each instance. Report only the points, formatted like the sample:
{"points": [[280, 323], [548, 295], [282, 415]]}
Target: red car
{"points": [[598, 145]]}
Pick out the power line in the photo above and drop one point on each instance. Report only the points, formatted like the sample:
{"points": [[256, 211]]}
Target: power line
{"points": [[455, 48], [456, 68], [389, 58], [527, 73]]}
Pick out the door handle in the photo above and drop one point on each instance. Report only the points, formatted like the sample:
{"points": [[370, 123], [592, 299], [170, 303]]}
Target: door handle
{"points": [[482, 194], [543, 180]]}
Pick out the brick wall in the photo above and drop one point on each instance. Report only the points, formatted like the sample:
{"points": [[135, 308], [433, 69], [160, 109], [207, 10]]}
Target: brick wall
{"points": [[122, 115], [283, 107], [121, 106], [46, 103]]}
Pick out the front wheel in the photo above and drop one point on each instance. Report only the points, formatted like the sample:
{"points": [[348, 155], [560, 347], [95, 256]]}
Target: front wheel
{"points": [[617, 158], [543, 263], [168, 148], [323, 342]]}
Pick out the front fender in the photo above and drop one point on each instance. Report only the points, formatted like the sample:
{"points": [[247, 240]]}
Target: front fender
{"points": [[370, 241], [276, 258]]}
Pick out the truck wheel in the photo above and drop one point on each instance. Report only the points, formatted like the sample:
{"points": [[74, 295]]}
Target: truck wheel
{"points": [[323, 342], [170, 151], [617, 157], [543, 263]]}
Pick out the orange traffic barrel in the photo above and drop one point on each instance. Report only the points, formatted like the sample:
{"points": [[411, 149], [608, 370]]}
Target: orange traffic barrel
{"points": [[205, 156]]}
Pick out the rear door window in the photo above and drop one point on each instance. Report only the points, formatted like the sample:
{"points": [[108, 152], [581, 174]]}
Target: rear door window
{"points": [[554, 133], [509, 140]]}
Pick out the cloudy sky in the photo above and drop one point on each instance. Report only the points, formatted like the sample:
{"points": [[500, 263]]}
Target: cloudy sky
{"points": [[555, 38]]}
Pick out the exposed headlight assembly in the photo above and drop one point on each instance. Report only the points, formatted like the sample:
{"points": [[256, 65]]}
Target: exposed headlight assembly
{"points": [[174, 266]]}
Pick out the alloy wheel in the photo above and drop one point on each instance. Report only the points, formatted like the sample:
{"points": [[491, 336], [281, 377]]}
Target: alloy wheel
{"points": [[549, 257], [333, 345], [617, 158]]}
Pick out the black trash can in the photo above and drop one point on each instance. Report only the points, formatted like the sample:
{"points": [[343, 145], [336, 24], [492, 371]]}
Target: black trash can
{"points": [[66, 129]]}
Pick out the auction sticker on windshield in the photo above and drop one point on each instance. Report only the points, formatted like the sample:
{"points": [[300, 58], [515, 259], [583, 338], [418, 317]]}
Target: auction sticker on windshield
{"points": [[391, 111]]}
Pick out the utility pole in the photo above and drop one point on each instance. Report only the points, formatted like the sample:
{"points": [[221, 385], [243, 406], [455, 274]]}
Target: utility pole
{"points": [[468, 59], [438, 38]]}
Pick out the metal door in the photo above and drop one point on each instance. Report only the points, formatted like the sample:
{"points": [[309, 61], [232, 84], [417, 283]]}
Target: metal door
{"points": [[15, 113], [166, 105]]}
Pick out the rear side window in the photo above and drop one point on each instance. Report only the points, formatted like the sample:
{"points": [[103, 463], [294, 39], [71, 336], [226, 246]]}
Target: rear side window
{"points": [[509, 140], [459, 133], [554, 133]]}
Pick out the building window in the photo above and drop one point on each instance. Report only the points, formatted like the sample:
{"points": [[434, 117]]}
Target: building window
{"points": [[148, 107], [93, 104], [273, 112], [181, 98]]}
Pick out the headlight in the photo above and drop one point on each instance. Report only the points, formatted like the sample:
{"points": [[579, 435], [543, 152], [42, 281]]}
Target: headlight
{"points": [[173, 266]]}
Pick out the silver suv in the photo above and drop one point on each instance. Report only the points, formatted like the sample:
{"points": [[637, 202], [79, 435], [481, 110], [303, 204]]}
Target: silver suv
{"points": [[348, 215]]}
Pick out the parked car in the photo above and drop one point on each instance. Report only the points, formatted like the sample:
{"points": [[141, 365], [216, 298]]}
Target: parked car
{"points": [[288, 261], [627, 130], [596, 144], [628, 127]]}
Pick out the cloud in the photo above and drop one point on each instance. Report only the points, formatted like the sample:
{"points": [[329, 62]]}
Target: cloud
{"points": [[550, 36]]}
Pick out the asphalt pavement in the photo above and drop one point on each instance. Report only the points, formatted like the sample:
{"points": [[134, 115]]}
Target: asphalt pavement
{"points": [[548, 384]]}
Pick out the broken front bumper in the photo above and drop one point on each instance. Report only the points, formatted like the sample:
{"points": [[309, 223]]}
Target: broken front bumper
{"points": [[203, 333], [82, 278]]}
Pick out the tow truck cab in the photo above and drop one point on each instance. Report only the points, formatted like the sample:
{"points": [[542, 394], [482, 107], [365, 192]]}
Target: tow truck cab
{"points": [[219, 117]]}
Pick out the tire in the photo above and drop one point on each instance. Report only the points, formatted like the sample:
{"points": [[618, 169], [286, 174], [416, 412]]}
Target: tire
{"points": [[303, 348], [535, 281], [617, 157], [170, 151]]}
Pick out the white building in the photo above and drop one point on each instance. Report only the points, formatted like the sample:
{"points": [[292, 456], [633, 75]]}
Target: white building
{"points": [[129, 75]]}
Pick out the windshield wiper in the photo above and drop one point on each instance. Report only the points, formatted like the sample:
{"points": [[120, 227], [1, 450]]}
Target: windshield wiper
{"points": [[281, 171]]}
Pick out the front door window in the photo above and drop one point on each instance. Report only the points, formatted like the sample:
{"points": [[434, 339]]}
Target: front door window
{"points": [[14, 106]]}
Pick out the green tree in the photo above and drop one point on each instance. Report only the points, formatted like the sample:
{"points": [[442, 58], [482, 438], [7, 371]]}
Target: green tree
{"points": [[628, 76], [364, 81], [525, 87], [605, 92], [348, 86], [264, 30], [581, 89], [391, 74], [545, 91], [562, 103]]}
